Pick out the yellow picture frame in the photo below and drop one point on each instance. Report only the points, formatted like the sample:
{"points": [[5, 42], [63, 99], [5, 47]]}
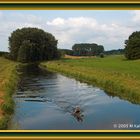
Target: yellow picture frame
{"points": [[60, 5]]}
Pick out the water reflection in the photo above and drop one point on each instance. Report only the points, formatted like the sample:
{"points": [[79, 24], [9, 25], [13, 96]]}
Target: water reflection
{"points": [[47, 100], [131, 97]]}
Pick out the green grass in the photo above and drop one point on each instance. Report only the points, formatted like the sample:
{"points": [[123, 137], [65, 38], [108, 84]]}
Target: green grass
{"points": [[116, 75], [8, 82], [115, 63]]}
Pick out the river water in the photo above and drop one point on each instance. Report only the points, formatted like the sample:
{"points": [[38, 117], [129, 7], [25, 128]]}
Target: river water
{"points": [[47, 100]]}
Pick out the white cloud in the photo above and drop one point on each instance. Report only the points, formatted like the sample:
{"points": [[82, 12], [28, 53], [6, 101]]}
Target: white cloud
{"points": [[71, 30], [25, 18], [11, 22], [56, 22], [136, 15], [73, 22], [82, 22], [86, 29]]}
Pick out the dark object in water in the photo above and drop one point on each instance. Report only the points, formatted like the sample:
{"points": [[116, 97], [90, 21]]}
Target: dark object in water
{"points": [[77, 110], [78, 114], [31, 100]]}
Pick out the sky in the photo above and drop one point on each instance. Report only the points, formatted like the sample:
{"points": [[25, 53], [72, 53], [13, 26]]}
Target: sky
{"points": [[109, 28]]}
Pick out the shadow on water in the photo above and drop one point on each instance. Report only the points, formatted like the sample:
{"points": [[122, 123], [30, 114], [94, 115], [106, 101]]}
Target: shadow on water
{"points": [[32, 70], [31, 73]]}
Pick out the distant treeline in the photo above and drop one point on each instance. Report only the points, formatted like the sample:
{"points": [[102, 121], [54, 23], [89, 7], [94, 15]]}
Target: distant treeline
{"points": [[2, 53], [87, 49], [71, 52], [110, 52], [66, 51]]}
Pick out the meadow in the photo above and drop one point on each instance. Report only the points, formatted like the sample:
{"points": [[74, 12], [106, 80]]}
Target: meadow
{"points": [[8, 82], [114, 74]]}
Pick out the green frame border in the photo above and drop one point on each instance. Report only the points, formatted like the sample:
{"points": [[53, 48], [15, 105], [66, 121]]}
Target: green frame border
{"points": [[69, 134], [72, 6]]}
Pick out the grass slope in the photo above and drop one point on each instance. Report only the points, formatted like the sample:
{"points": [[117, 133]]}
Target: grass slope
{"points": [[117, 76], [8, 82]]}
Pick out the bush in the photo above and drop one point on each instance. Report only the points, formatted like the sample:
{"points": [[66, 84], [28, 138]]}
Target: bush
{"points": [[101, 55]]}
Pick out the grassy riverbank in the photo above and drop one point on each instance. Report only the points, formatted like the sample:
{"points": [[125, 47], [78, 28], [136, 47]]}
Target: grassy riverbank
{"points": [[115, 74], [8, 82]]}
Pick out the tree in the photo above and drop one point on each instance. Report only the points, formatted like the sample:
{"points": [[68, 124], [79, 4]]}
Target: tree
{"points": [[32, 44], [132, 46], [86, 49], [24, 52]]}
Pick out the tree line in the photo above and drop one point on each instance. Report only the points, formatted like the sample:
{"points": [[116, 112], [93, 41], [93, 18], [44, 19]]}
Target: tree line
{"points": [[114, 52], [87, 49], [33, 44], [131, 49]]}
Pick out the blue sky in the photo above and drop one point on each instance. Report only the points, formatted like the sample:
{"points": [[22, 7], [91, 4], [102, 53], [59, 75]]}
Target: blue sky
{"points": [[105, 27]]}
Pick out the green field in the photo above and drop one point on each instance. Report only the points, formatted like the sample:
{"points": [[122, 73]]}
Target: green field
{"points": [[8, 82], [116, 75]]}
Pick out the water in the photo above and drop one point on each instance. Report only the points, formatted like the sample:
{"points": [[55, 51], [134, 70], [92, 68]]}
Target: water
{"points": [[46, 100]]}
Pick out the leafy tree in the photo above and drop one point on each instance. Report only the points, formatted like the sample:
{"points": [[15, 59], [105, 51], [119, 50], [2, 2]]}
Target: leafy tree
{"points": [[86, 49], [32, 44], [23, 52], [132, 46]]}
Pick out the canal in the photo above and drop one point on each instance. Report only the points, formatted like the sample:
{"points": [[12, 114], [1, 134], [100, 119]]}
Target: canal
{"points": [[47, 101]]}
